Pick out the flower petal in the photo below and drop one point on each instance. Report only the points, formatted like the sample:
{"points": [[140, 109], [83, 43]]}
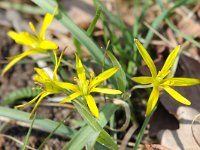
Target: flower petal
{"points": [[80, 70], [143, 79], [103, 76], [70, 97], [176, 95], [47, 45], [31, 101], [146, 58], [41, 73], [23, 38], [106, 91], [169, 62], [33, 28], [16, 58], [57, 64], [47, 20], [180, 81], [92, 105], [68, 86], [152, 100], [38, 102]]}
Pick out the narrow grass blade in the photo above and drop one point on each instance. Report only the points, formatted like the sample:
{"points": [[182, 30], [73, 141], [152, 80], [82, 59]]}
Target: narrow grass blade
{"points": [[120, 76], [40, 123], [173, 27], [104, 138], [89, 32], [94, 21], [87, 134], [160, 18], [28, 134], [24, 8], [52, 133]]}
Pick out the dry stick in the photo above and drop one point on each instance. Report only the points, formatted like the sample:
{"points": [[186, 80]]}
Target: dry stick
{"points": [[70, 106], [128, 136], [160, 35], [192, 130]]}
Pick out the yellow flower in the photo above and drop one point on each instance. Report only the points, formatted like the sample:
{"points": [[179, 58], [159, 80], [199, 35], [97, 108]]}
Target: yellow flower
{"points": [[47, 84], [37, 43], [85, 87], [163, 79]]}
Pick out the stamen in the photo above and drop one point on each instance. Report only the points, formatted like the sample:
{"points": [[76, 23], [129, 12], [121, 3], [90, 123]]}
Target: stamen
{"points": [[92, 74]]}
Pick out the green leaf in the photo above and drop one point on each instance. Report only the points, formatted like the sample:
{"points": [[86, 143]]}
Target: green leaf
{"points": [[120, 76], [88, 135], [19, 94], [40, 123], [157, 21], [104, 138]]}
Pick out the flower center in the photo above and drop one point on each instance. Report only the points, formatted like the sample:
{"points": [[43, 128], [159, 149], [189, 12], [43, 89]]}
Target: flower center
{"points": [[157, 81], [83, 86]]}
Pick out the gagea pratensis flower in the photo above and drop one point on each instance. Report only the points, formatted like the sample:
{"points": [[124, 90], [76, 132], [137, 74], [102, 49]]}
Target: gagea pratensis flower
{"points": [[162, 79], [85, 87], [37, 43], [47, 84]]}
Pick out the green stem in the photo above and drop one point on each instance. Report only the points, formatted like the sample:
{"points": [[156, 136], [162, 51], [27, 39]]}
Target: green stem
{"points": [[94, 21], [140, 87], [141, 133]]}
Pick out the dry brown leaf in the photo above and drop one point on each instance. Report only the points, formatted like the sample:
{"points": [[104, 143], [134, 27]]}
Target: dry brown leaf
{"points": [[182, 138], [189, 26], [155, 147]]}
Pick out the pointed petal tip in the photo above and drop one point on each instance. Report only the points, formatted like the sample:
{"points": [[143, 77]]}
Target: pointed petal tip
{"points": [[188, 103]]}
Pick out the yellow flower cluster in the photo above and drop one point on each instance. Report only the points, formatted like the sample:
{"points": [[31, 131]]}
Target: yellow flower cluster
{"points": [[162, 79], [84, 87]]}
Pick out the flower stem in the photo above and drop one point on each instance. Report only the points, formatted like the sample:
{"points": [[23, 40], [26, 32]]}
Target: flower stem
{"points": [[141, 133], [141, 87]]}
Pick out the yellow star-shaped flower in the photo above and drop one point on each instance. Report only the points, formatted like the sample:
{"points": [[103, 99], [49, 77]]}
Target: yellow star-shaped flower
{"points": [[37, 43], [85, 87], [162, 79], [46, 83]]}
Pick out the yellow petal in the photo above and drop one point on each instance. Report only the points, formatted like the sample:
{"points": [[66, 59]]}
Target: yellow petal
{"points": [[33, 28], [152, 100], [180, 82], [80, 70], [146, 58], [68, 86], [23, 38], [176, 95], [103, 76], [57, 64], [169, 62], [71, 97], [17, 58], [38, 102], [106, 91], [92, 105], [47, 45], [47, 20], [143, 79], [41, 73], [30, 102]]}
